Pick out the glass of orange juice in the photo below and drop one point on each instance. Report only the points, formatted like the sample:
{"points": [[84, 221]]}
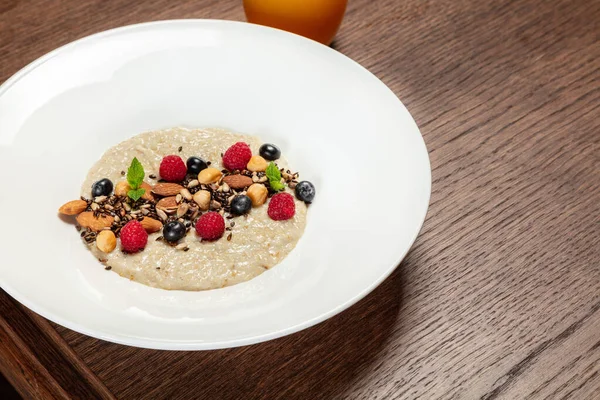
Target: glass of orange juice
{"points": [[316, 19]]}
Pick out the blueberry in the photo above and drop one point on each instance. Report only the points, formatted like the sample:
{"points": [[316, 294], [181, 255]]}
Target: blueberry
{"points": [[173, 231], [241, 205], [305, 191], [103, 187], [195, 165], [269, 152]]}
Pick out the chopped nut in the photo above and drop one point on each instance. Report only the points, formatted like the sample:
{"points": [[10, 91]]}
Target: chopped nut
{"points": [[193, 183], [257, 164], [106, 241], [215, 205], [209, 175], [148, 192], [182, 210], [263, 179], [225, 187], [202, 198], [122, 188], [258, 194], [186, 194], [178, 198], [161, 214], [95, 207], [100, 199]]}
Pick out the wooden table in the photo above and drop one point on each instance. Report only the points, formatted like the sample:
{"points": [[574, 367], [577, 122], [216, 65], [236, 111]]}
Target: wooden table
{"points": [[500, 296]]}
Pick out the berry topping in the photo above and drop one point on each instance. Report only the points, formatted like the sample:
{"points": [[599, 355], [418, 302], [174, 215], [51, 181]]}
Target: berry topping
{"points": [[103, 187], [195, 165], [237, 156], [210, 226], [281, 207], [305, 191], [133, 237], [173, 231], [269, 152], [172, 169], [241, 204]]}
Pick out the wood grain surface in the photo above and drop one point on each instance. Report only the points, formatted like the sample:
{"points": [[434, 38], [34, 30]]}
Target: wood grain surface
{"points": [[500, 296]]}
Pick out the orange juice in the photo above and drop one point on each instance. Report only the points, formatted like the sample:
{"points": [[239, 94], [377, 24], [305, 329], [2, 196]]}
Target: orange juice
{"points": [[316, 19]]}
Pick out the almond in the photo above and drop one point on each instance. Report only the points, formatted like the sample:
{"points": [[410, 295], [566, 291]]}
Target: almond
{"points": [[148, 193], [123, 187], [87, 220], [258, 194], [209, 175], [167, 189], [151, 225], [73, 207], [167, 203], [106, 241], [238, 181], [202, 198], [257, 164]]}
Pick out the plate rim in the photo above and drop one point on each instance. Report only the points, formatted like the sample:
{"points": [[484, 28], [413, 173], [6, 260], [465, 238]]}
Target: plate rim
{"points": [[162, 344]]}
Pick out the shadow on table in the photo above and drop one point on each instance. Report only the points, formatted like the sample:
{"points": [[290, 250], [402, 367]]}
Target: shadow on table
{"points": [[7, 392], [320, 362]]}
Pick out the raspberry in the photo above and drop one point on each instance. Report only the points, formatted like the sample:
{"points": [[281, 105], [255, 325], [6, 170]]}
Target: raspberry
{"points": [[210, 226], [172, 169], [282, 207], [133, 237], [237, 156]]}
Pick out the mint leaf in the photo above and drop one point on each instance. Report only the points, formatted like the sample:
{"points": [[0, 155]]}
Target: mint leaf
{"points": [[135, 194], [274, 176], [276, 185], [135, 175]]}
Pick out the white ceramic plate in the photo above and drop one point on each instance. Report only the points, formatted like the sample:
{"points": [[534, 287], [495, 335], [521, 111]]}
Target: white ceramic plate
{"points": [[335, 121]]}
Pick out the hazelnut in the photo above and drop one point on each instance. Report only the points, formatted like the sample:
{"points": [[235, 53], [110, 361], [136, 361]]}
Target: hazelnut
{"points": [[258, 194], [209, 175], [257, 164], [202, 198], [122, 188], [106, 241]]}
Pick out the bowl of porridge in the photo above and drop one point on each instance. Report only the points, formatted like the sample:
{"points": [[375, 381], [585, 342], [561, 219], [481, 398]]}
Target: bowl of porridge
{"points": [[217, 183]]}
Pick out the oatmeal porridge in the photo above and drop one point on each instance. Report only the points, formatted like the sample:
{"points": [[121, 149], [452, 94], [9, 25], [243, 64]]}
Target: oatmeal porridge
{"points": [[233, 211]]}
